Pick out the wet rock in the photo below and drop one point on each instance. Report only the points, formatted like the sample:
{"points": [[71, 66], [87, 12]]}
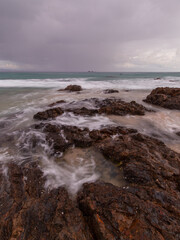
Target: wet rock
{"points": [[56, 139], [146, 208], [62, 137], [56, 103], [50, 113], [28, 211], [165, 97], [145, 160], [107, 106], [73, 88], [111, 106], [119, 107], [129, 213], [107, 91], [110, 133]]}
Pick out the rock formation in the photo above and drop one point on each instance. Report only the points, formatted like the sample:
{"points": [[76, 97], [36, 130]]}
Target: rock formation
{"points": [[72, 88], [165, 97]]}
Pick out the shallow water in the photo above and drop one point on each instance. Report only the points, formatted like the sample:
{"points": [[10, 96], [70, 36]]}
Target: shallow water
{"points": [[77, 166]]}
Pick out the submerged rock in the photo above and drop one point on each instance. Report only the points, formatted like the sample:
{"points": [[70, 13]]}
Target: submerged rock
{"points": [[108, 91], [56, 103], [84, 111], [165, 97]]}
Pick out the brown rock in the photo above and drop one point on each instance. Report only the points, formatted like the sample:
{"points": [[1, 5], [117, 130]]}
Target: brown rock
{"points": [[165, 97], [119, 107], [72, 88], [111, 106], [129, 213], [106, 106], [50, 113], [146, 208], [28, 211], [62, 137], [145, 160]]}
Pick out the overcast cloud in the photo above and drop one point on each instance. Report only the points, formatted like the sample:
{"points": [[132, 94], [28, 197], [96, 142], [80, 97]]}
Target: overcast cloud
{"points": [[82, 35]]}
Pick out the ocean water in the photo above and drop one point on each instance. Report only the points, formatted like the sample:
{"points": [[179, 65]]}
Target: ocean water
{"points": [[24, 94]]}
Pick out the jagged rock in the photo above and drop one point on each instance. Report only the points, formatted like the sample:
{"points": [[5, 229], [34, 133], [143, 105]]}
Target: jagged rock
{"points": [[149, 206], [145, 160], [129, 213], [62, 137], [110, 132], [107, 91], [50, 113], [165, 97], [107, 106], [119, 107], [72, 88], [28, 211], [146, 208]]}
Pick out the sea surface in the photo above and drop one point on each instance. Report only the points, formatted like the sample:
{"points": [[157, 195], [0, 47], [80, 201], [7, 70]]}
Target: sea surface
{"points": [[24, 94]]}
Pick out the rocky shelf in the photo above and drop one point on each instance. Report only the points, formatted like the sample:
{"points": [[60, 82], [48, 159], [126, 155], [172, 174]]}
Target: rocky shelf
{"points": [[146, 208]]}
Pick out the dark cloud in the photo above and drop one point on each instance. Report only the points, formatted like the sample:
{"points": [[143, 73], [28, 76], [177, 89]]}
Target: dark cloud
{"points": [[104, 35]]}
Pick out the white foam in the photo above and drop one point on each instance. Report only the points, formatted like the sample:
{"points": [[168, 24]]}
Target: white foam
{"points": [[91, 122], [4, 155], [68, 175], [90, 83]]}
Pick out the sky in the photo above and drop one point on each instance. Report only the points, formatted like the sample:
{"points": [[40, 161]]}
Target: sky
{"points": [[83, 35]]}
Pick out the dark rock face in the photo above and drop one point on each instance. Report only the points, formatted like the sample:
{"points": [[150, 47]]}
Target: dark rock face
{"points": [[147, 208], [50, 113], [145, 160], [165, 97], [62, 137], [108, 91], [73, 88], [132, 213], [28, 211], [119, 107]]}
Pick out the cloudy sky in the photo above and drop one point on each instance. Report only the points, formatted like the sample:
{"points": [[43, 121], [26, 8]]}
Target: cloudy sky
{"points": [[82, 35]]}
